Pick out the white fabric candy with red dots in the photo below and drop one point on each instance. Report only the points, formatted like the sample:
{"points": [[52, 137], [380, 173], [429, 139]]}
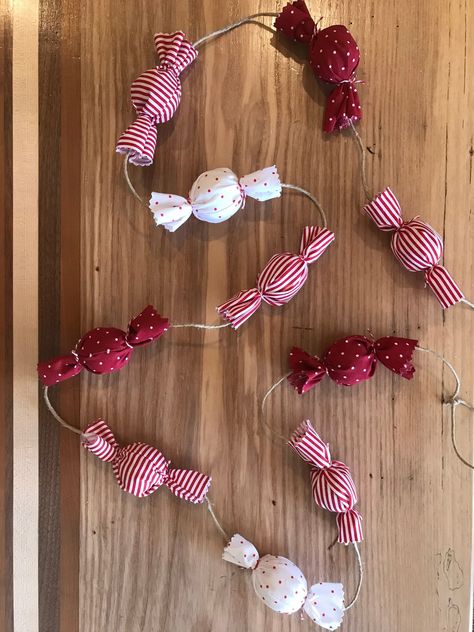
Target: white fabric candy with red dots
{"points": [[214, 197], [281, 585]]}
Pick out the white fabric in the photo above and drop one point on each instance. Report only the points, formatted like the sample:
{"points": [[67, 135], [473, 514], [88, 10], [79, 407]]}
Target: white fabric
{"points": [[325, 605], [241, 552], [214, 197], [280, 584]]}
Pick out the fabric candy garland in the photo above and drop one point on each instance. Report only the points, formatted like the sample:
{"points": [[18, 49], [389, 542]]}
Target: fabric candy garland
{"points": [[331, 482], [281, 585], [416, 245], [333, 57], [155, 96], [214, 197], [141, 469], [105, 349], [351, 360], [279, 281]]}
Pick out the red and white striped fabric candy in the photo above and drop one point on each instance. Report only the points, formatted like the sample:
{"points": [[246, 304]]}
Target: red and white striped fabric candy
{"points": [[140, 469], [331, 481], [282, 278], [155, 96], [416, 245]]}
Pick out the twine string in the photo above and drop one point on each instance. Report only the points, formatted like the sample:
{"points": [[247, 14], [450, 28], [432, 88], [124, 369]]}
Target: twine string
{"points": [[201, 326], [363, 160], [453, 402], [360, 568], [468, 303], [234, 25], [56, 415]]}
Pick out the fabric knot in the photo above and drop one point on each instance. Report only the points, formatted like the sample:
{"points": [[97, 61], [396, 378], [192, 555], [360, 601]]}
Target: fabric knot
{"points": [[141, 469], [416, 245], [156, 95], [280, 280], [331, 481], [214, 197], [104, 349]]}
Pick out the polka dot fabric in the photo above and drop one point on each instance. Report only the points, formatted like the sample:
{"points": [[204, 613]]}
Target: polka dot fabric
{"points": [[333, 56], [351, 360], [104, 349], [281, 585], [325, 605], [214, 197]]}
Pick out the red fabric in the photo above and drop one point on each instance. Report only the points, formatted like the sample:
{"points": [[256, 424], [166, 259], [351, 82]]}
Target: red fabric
{"points": [[351, 360], [333, 57], [104, 349]]}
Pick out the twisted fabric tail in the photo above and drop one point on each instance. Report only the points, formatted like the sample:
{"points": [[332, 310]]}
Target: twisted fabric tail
{"points": [[169, 211], [174, 50], [349, 525], [188, 485], [295, 22], [139, 140], [55, 370], [385, 211], [307, 370], [443, 285], [342, 107], [146, 327], [307, 444], [239, 308], [99, 439], [263, 184], [314, 242], [240, 552]]}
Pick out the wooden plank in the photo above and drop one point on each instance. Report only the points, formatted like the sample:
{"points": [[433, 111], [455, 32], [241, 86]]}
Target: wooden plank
{"points": [[247, 102], [6, 321]]}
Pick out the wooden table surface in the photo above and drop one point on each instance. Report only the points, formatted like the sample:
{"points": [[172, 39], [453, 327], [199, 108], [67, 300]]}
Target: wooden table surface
{"points": [[109, 562]]}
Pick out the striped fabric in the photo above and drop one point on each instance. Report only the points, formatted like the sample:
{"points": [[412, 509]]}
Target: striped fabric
{"points": [[155, 96], [140, 469], [282, 278], [331, 481], [416, 245]]}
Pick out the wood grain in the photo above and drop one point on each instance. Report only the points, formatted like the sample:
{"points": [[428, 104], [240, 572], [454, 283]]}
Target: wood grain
{"points": [[247, 102], [6, 321]]}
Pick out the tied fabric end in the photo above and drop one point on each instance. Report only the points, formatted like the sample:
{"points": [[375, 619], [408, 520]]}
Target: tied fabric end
{"points": [[307, 370], [314, 242], [309, 446], [169, 211], [295, 22], [241, 307], [147, 327], [349, 524], [139, 141], [385, 211], [342, 108], [396, 354], [262, 185], [58, 369], [445, 288], [325, 605], [241, 552]]}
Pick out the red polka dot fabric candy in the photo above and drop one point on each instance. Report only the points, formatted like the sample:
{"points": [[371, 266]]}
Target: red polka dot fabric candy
{"points": [[104, 349], [351, 360], [333, 56]]}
